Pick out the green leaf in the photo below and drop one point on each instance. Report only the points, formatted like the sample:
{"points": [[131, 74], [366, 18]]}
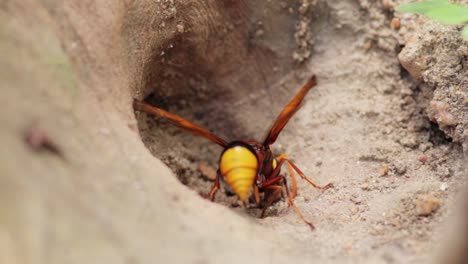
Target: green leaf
{"points": [[440, 10], [423, 7], [465, 33], [449, 14]]}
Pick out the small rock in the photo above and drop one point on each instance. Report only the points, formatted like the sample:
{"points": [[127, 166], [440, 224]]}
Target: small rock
{"points": [[441, 114], [406, 91], [354, 210], [180, 28], [444, 186], [396, 222], [259, 33], [423, 158], [426, 204], [443, 172], [356, 199], [367, 45], [383, 170], [207, 171], [412, 59], [409, 142], [399, 168], [388, 4], [445, 119], [377, 231], [395, 23], [365, 187], [424, 147]]}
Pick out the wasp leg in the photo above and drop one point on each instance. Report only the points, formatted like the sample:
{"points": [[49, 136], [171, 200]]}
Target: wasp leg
{"points": [[298, 212], [256, 195], [291, 173], [215, 188], [302, 175], [277, 191], [291, 203], [273, 179]]}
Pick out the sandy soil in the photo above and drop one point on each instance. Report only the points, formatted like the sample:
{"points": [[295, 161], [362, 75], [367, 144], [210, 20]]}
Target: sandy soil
{"points": [[386, 124]]}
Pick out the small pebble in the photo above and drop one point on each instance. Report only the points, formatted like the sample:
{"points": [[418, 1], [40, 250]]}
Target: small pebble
{"points": [[396, 222], [387, 4], [444, 186], [409, 142], [443, 172], [399, 168], [426, 204], [354, 210], [365, 187], [377, 231], [259, 33], [356, 199], [395, 23], [367, 45], [423, 158], [180, 28], [423, 147], [383, 170], [207, 171]]}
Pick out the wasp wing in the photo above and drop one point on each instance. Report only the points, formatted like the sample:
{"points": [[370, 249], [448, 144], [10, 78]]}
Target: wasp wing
{"points": [[178, 121], [288, 111]]}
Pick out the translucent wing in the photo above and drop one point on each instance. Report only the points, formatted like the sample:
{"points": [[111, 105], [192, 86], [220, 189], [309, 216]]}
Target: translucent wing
{"points": [[288, 112], [178, 121]]}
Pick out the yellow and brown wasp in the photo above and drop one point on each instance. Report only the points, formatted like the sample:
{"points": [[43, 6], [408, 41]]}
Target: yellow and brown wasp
{"points": [[248, 166]]}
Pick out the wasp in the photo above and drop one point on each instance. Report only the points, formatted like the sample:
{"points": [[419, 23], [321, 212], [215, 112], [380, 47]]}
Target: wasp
{"points": [[248, 166]]}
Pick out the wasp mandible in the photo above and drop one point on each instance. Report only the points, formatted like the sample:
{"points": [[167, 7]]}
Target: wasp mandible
{"points": [[248, 166]]}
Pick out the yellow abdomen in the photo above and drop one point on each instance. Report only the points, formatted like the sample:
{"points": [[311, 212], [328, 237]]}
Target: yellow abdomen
{"points": [[239, 166]]}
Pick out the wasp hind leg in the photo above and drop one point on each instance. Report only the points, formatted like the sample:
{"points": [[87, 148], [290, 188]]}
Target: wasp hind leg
{"points": [[215, 188], [277, 191], [295, 208], [291, 174]]}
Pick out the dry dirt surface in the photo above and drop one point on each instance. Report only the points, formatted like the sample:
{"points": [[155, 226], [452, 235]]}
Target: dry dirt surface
{"points": [[85, 179]]}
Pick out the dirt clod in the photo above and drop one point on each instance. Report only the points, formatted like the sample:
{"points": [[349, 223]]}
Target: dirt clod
{"points": [[423, 158], [426, 204], [207, 171], [399, 167], [395, 23], [443, 171], [383, 170]]}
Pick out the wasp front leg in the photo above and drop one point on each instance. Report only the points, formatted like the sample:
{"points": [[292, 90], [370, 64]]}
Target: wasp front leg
{"points": [[275, 191]]}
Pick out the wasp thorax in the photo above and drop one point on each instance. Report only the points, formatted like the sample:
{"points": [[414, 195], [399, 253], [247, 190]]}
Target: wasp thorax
{"points": [[238, 165]]}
